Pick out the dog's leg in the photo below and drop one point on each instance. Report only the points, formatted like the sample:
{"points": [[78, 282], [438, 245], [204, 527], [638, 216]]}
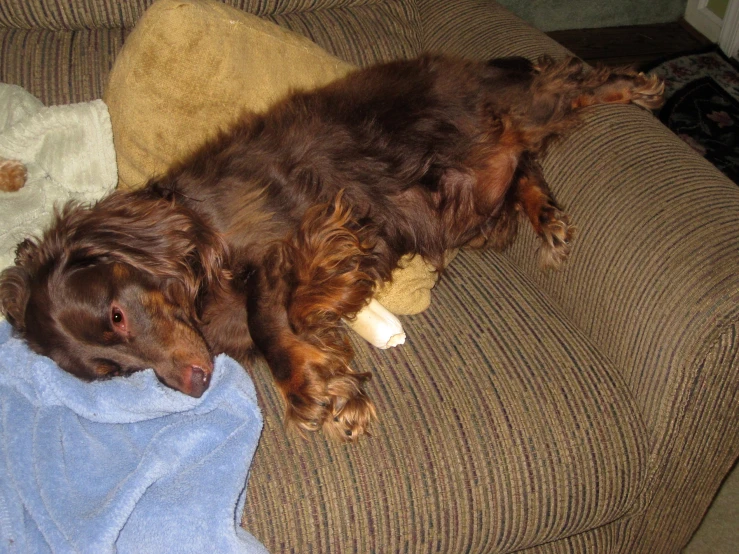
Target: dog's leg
{"points": [[578, 87], [550, 223], [556, 92], [558, 89], [295, 313], [621, 86], [529, 194], [319, 388]]}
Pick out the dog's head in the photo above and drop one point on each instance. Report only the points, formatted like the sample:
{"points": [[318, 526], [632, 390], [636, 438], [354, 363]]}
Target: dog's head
{"points": [[113, 289]]}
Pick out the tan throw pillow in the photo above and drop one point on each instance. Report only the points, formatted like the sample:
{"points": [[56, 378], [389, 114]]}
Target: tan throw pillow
{"points": [[189, 68]]}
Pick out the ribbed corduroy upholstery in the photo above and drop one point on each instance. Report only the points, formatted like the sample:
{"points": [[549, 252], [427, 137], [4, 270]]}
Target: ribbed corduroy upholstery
{"points": [[480, 29], [59, 67], [653, 279], [654, 282], [501, 427], [69, 15], [362, 35], [594, 410]]}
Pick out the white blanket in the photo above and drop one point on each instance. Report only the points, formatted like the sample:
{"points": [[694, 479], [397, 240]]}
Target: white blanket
{"points": [[68, 152]]}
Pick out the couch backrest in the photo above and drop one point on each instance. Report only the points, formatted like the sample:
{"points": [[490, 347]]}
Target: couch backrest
{"points": [[74, 15]]}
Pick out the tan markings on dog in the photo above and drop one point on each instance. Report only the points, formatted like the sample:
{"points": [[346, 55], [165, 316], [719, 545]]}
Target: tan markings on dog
{"points": [[494, 164]]}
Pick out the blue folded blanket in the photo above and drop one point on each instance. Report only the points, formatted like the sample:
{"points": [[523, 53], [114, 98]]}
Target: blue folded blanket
{"points": [[125, 465]]}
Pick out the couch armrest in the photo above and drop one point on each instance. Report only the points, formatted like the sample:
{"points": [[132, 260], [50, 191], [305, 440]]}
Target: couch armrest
{"points": [[653, 278], [654, 281]]}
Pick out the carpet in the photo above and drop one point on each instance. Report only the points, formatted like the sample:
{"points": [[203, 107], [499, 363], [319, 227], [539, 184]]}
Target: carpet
{"points": [[702, 106], [719, 531]]}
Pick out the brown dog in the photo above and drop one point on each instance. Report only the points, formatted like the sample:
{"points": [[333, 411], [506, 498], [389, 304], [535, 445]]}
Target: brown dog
{"points": [[267, 236]]}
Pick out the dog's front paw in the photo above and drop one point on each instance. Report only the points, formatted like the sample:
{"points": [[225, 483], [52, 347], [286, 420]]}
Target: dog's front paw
{"points": [[557, 235], [332, 401], [351, 409]]}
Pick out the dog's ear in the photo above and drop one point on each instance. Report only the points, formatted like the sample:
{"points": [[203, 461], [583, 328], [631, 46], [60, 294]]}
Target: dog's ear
{"points": [[15, 290], [25, 253], [155, 235], [211, 253]]}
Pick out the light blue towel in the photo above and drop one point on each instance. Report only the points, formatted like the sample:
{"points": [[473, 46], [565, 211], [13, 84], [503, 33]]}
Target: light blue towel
{"points": [[125, 465]]}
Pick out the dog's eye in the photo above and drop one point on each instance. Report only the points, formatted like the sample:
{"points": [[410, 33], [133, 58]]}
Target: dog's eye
{"points": [[118, 318]]}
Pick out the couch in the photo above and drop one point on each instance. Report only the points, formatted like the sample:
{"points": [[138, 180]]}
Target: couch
{"points": [[593, 410]]}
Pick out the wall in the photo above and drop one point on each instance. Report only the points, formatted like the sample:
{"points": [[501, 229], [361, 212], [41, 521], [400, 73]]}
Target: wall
{"points": [[718, 7], [553, 15]]}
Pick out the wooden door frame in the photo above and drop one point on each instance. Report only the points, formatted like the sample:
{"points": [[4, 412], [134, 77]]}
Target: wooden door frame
{"points": [[724, 31], [728, 39]]}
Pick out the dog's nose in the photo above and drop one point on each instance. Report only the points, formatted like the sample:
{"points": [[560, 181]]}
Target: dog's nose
{"points": [[198, 379]]}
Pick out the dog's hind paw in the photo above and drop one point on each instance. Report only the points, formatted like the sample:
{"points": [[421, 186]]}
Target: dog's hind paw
{"points": [[648, 91]]}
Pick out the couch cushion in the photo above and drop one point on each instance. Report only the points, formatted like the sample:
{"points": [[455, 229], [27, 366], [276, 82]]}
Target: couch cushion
{"points": [[501, 427]]}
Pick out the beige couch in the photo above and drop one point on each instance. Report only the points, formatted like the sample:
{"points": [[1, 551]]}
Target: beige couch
{"points": [[593, 410]]}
